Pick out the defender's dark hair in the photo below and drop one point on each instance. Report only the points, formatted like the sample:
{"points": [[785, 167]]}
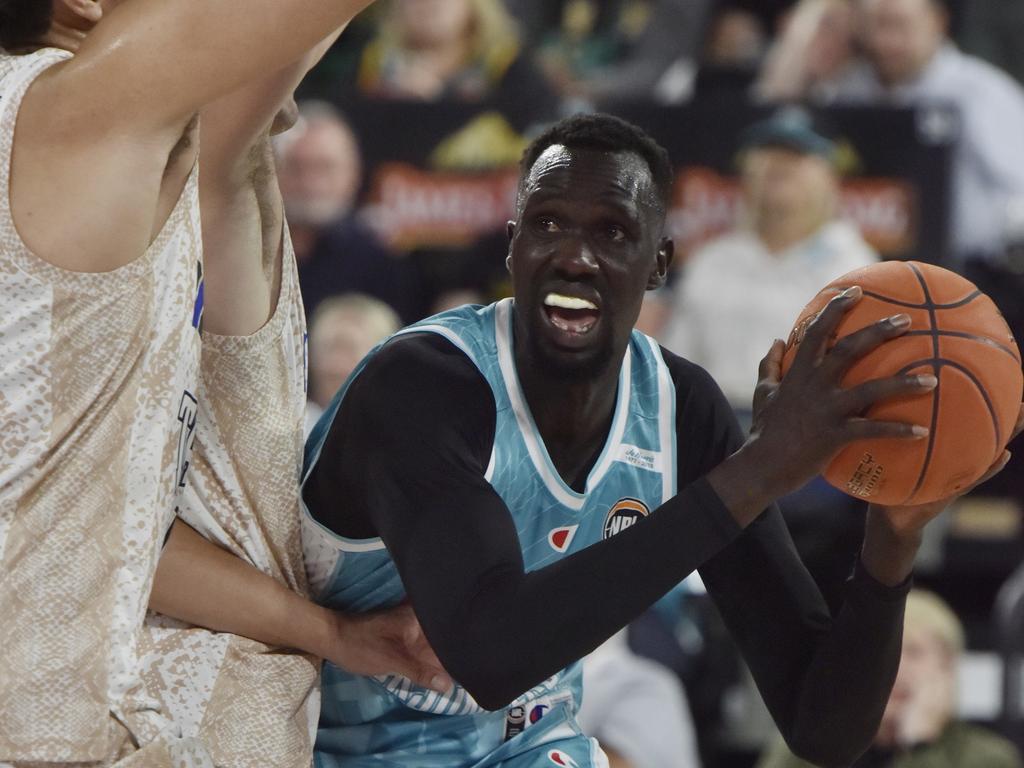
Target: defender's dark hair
{"points": [[24, 22], [604, 133]]}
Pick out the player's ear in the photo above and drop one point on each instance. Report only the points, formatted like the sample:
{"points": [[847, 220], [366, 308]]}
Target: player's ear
{"points": [[90, 11], [510, 230], [662, 262]]}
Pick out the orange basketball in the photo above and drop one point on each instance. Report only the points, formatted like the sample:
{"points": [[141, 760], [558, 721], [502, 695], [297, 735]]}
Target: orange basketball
{"points": [[956, 334]]}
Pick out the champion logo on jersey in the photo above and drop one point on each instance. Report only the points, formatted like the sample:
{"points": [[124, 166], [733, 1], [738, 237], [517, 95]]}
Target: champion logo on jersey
{"points": [[558, 757], [623, 514], [561, 538]]}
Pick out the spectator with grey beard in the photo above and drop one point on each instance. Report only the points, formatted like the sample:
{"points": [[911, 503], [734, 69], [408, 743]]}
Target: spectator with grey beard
{"points": [[320, 172], [912, 62]]}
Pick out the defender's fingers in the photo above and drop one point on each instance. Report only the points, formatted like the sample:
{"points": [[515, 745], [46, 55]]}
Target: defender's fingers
{"points": [[852, 348], [821, 330], [858, 398], [428, 676]]}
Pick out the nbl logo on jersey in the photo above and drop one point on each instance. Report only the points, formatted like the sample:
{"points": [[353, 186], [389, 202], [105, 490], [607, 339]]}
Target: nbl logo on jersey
{"points": [[625, 513]]}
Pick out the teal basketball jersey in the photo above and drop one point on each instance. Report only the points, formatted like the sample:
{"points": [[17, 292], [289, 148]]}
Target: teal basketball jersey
{"points": [[385, 721]]}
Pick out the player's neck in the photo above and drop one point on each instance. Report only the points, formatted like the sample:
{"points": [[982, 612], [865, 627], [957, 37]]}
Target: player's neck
{"points": [[571, 414], [63, 37]]}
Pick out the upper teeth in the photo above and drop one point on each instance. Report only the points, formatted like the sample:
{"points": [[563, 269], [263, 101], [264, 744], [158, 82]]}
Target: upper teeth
{"points": [[567, 302]]}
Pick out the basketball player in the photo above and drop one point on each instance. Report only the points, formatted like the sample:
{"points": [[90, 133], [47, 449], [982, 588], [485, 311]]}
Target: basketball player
{"points": [[534, 474], [101, 284], [251, 703]]}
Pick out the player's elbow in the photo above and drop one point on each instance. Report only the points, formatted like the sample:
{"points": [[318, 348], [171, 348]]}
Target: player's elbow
{"points": [[487, 672], [493, 689]]}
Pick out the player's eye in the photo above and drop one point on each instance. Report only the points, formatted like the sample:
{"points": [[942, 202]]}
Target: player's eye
{"points": [[615, 233], [547, 224]]}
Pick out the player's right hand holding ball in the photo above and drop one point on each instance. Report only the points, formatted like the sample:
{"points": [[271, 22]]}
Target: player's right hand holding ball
{"points": [[802, 422]]}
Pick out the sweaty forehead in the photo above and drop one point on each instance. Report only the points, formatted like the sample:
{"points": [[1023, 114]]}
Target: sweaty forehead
{"points": [[575, 171]]}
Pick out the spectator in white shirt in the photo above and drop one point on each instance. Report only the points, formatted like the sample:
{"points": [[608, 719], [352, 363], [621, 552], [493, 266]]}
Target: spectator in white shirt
{"points": [[746, 288], [636, 709], [912, 62]]}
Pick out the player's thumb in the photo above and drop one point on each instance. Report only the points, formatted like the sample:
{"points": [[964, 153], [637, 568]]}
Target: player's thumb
{"points": [[771, 365]]}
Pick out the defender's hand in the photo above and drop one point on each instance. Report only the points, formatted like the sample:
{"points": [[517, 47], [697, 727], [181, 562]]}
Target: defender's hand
{"points": [[800, 423], [387, 642]]}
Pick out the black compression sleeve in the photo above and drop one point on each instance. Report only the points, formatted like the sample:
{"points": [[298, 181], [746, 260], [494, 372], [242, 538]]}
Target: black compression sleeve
{"points": [[414, 418], [825, 680]]}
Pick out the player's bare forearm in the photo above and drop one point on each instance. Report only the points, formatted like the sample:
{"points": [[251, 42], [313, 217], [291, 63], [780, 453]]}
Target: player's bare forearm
{"points": [[155, 63], [202, 584], [234, 126], [199, 583]]}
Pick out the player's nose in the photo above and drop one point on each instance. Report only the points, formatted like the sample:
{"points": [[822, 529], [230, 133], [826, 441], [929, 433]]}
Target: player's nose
{"points": [[576, 259]]}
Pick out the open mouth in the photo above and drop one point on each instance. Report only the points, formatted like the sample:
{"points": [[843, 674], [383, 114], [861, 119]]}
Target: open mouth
{"points": [[571, 314]]}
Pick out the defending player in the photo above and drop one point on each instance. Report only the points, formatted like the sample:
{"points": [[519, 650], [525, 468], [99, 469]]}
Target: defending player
{"points": [[533, 475], [250, 703], [101, 284]]}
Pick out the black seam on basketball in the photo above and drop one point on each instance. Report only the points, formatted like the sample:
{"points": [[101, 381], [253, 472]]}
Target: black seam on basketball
{"points": [[984, 396], [936, 369], [938, 363], [910, 305], [970, 337]]}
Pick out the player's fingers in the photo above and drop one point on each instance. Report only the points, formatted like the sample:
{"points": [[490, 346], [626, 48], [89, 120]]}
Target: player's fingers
{"points": [[1019, 426], [869, 429], [858, 398], [770, 369], [851, 348], [816, 339], [991, 472]]}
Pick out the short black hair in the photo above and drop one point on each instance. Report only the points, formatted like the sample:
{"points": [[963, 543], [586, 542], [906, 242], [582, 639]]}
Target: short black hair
{"points": [[24, 22], [605, 133]]}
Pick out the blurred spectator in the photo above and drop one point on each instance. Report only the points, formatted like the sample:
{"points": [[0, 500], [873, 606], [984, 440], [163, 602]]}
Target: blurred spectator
{"points": [[812, 52], [744, 289], [735, 40], [919, 729], [733, 51], [320, 173], [624, 49], [449, 49], [912, 62], [341, 333], [636, 710]]}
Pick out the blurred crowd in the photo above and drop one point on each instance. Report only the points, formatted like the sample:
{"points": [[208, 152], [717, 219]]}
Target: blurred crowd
{"points": [[490, 73]]}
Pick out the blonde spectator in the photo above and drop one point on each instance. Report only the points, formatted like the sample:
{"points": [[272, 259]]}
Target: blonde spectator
{"points": [[433, 49], [919, 728], [815, 48], [343, 330]]}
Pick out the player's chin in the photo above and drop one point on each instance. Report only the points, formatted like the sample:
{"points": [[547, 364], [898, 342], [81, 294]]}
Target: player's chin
{"points": [[573, 359]]}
